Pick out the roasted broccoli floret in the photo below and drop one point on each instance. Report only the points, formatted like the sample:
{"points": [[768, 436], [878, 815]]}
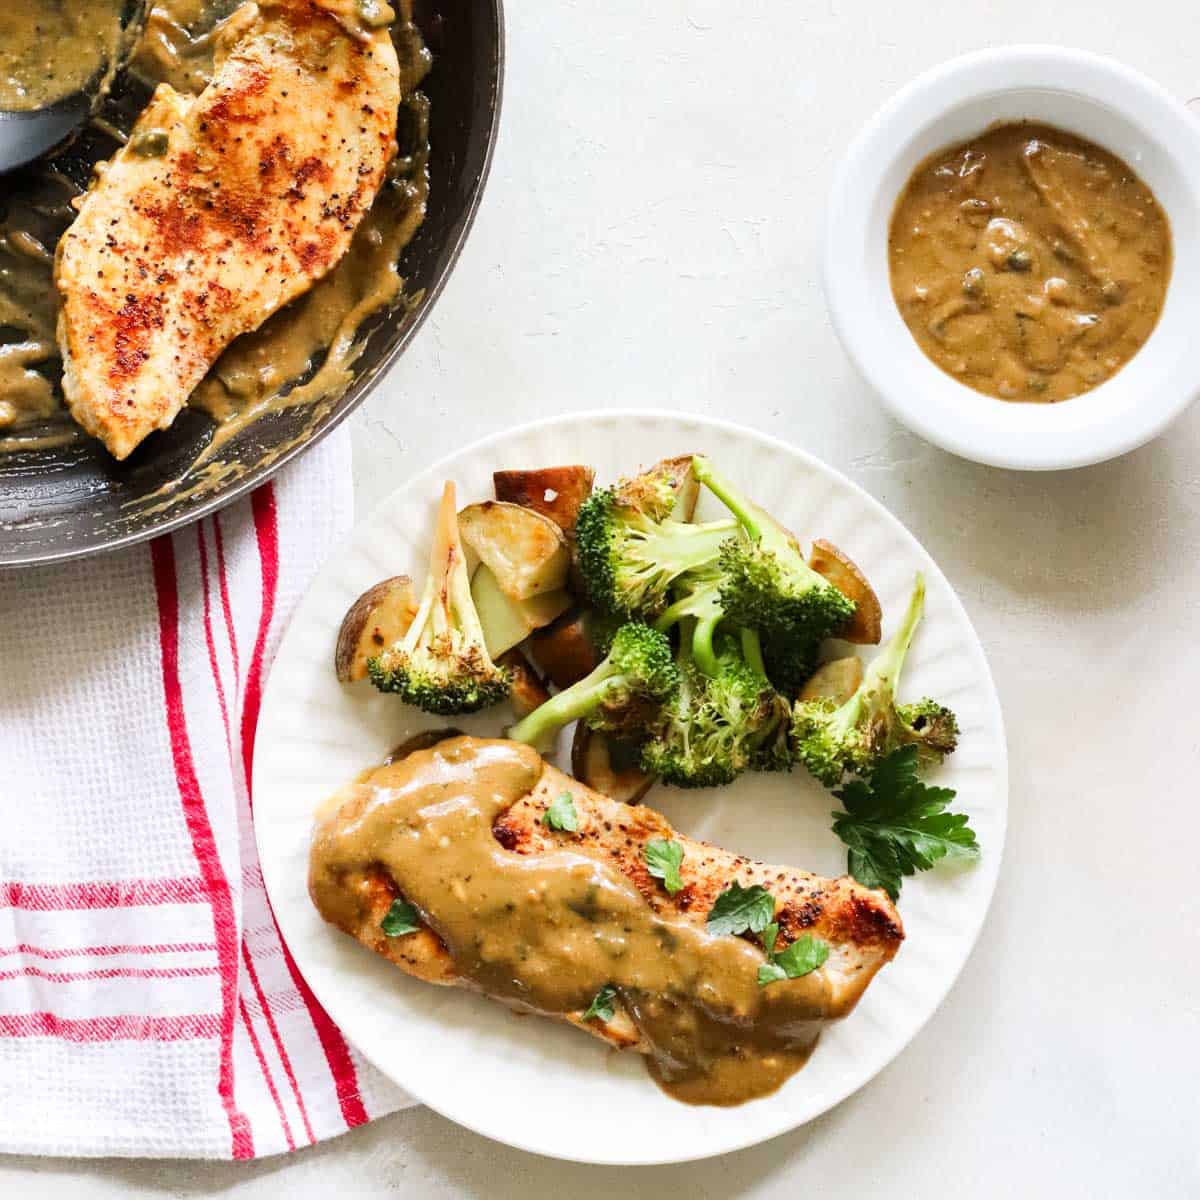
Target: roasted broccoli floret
{"points": [[717, 725], [768, 584], [725, 718], [791, 658], [856, 736], [935, 724], [626, 693], [631, 549], [441, 664]]}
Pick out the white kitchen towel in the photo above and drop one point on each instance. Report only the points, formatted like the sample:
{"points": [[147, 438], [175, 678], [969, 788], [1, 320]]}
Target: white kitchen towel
{"points": [[148, 1005]]}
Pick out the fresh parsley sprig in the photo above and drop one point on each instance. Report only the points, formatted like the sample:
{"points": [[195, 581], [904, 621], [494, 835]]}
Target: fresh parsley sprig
{"points": [[895, 825], [738, 910], [752, 910], [560, 814], [801, 958], [663, 860]]}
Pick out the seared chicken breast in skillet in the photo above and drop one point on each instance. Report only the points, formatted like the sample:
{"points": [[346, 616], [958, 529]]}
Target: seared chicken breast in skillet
{"points": [[220, 209]]}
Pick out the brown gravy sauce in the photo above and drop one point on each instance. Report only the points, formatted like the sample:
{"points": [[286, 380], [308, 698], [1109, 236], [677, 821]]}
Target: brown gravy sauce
{"points": [[50, 49], [1029, 263], [271, 369], [545, 932]]}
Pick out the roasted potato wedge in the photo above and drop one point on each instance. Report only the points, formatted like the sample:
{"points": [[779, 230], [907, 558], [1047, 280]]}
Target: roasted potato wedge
{"points": [[595, 761], [379, 617], [505, 621], [866, 626], [525, 550], [528, 690], [555, 492], [564, 650], [683, 480], [835, 680]]}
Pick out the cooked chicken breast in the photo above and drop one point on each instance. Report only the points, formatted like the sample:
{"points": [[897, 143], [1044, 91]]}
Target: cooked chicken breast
{"points": [[220, 209], [354, 889]]}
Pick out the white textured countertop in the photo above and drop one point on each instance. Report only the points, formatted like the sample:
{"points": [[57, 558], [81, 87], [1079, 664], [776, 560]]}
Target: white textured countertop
{"points": [[651, 235]]}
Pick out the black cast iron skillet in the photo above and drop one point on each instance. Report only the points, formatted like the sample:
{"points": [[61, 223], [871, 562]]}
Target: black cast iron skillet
{"points": [[65, 503]]}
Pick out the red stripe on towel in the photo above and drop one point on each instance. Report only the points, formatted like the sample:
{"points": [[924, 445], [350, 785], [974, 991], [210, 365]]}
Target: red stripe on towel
{"points": [[162, 553], [125, 1028], [103, 951], [226, 607], [261, 996], [208, 637], [337, 1052], [266, 1074], [110, 893], [264, 1066]]}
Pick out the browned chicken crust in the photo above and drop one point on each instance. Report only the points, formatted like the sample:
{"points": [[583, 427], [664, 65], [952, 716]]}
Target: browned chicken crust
{"points": [[861, 925], [221, 209]]}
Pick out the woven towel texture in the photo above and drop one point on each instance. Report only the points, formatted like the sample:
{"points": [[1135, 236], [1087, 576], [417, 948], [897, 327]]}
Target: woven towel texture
{"points": [[147, 1003]]}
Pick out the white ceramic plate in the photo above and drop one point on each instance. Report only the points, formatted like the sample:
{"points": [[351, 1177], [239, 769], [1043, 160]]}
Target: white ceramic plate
{"points": [[531, 1083]]}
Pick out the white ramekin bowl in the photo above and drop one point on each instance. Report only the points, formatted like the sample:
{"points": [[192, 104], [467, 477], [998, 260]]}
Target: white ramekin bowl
{"points": [[1094, 97]]}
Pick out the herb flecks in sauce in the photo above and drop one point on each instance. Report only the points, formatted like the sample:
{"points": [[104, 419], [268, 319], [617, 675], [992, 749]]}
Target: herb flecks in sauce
{"points": [[1028, 263], [563, 932], [400, 919], [302, 357], [603, 1005]]}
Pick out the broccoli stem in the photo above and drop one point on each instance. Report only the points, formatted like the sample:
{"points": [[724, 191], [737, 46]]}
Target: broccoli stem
{"points": [[702, 643], [572, 704], [883, 672], [758, 525], [678, 546], [749, 515], [446, 548], [877, 692], [752, 651]]}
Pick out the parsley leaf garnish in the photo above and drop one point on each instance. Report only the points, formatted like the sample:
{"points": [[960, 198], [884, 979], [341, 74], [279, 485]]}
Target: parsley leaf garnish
{"points": [[770, 936], [803, 956], [770, 972], [738, 909], [560, 814], [400, 919], [894, 825], [603, 1004], [663, 860]]}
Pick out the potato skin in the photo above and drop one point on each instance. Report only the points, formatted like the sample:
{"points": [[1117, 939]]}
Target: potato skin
{"points": [[379, 617], [555, 492], [591, 764], [563, 650], [866, 626], [528, 690]]}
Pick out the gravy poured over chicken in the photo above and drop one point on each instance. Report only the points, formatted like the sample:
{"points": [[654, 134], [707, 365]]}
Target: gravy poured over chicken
{"points": [[543, 920]]}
